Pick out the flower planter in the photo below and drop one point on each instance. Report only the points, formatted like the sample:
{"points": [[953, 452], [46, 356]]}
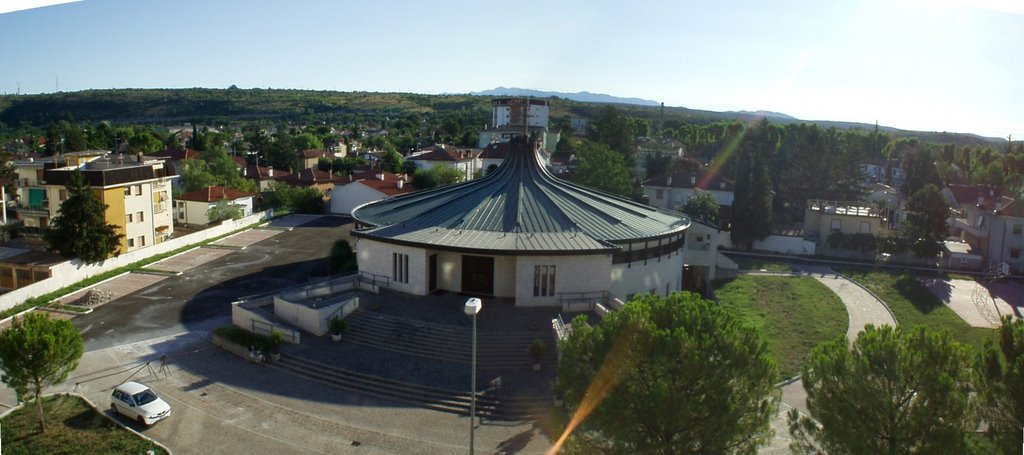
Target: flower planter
{"points": [[335, 337]]}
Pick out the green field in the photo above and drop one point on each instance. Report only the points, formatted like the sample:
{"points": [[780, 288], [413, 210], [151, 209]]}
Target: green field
{"points": [[72, 428], [794, 313], [912, 304]]}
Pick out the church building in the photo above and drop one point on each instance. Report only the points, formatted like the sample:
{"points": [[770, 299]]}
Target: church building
{"points": [[522, 234]]}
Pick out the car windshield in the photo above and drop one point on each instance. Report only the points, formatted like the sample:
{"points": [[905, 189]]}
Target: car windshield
{"points": [[144, 397]]}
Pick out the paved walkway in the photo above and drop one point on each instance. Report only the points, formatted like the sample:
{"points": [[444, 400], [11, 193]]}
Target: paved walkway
{"points": [[978, 304]]}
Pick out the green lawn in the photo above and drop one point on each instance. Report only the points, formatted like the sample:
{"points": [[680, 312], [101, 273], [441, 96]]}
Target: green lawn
{"points": [[72, 427], [912, 304], [794, 313]]}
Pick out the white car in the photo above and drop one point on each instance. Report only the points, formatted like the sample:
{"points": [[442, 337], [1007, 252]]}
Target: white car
{"points": [[138, 402]]}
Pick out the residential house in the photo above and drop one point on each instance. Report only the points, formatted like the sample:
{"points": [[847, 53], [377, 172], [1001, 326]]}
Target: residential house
{"points": [[883, 171], [822, 218], [889, 202], [174, 159], [670, 192], [466, 161], [309, 159], [194, 207], [994, 228], [365, 188], [313, 178], [263, 175], [137, 193]]}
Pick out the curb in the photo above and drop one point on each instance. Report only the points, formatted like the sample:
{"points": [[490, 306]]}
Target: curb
{"points": [[6, 320], [98, 411], [66, 311]]}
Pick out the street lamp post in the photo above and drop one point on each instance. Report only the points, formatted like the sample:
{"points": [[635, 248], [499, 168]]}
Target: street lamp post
{"points": [[473, 307]]}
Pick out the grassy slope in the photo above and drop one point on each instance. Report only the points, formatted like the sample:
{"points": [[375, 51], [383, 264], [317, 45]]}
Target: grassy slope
{"points": [[72, 428], [912, 304], [794, 313]]}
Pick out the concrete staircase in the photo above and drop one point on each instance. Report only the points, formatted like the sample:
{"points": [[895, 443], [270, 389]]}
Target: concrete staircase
{"points": [[490, 405], [495, 350]]}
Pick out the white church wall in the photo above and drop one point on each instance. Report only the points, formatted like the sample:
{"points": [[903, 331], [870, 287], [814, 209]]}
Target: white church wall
{"points": [[505, 276], [587, 273], [639, 278], [377, 257]]}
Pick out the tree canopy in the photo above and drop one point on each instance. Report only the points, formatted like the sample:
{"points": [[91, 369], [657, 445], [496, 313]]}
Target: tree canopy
{"points": [[925, 225], [601, 168], [37, 352], [894, 391], [342, 259], [702, 206], [282, 196], [436, 176], [81, 229], [1001, 384], [752, 204], [684, 373]]}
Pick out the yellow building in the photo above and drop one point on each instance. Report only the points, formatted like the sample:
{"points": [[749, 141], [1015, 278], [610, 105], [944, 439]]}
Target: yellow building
{"points": [[137, 193]]}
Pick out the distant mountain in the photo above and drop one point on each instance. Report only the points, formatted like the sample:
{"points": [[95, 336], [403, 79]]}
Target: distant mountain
{"points": [[585, 97], [767, 114]]}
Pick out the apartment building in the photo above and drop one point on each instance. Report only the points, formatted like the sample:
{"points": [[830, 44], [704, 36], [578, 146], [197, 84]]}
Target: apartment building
{"points": [[137, 193]]}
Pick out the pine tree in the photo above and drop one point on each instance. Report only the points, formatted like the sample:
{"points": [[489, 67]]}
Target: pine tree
{"points": [[81, 230]]}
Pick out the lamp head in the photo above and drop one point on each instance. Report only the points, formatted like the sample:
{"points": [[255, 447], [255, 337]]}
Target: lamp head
{"points": [[473, 306]]}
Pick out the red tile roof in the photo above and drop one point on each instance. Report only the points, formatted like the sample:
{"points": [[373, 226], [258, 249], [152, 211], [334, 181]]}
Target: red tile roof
{"points": [[969, 194], [311, 176], [442, 153], [388, 186], [214, 194], [306, 154], [496, 150], [253, 171]]}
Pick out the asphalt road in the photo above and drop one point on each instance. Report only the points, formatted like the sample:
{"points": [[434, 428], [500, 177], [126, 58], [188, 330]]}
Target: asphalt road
{"points": [[205, 293]]}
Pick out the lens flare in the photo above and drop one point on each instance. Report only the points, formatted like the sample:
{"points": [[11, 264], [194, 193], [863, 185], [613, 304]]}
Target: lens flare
{"points": [[622, 357]]}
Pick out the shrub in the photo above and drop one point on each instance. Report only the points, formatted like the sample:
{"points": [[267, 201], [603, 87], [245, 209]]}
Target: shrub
{"points": [[537, 350], [337, 325], [243, 337]]}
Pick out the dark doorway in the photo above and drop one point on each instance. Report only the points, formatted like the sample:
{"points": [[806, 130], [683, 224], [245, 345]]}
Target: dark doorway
{"points": [[432, 273], [478, 275]]}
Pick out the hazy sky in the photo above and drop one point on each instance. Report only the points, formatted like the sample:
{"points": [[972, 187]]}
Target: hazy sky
{"points": [[927, 65]]}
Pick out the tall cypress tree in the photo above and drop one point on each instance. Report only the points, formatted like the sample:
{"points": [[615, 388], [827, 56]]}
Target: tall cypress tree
{"points": [[81, 230], [752, 202]]}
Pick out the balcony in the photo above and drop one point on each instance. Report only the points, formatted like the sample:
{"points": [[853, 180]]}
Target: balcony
{"points": [[963, 225]]}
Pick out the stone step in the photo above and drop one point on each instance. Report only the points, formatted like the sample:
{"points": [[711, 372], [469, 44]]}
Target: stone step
{"points": [[445, 400]]}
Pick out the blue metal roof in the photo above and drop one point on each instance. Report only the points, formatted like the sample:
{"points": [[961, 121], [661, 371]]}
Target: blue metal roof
{"points": [[521, 198]]}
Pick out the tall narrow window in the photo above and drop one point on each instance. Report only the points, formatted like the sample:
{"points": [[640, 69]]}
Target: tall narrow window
{"points": [[543, 280], [400, 267]]}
